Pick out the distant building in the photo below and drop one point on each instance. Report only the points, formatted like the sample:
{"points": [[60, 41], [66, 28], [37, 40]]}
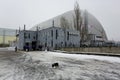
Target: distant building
{"points": [[7, 35], [95, 40], [51, 38], [96, 34], [57, 37]]}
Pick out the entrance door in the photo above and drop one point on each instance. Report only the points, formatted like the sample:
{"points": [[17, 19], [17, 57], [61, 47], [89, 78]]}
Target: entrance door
{"points": [[34, 45]]}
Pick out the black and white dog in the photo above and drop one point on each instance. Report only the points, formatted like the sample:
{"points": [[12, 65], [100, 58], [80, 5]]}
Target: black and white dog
{"points": [[55, 65]]}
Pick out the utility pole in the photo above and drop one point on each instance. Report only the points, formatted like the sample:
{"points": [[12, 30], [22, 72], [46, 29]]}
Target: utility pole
{"points": [[16, 35], [52, 34], [53, 23], [24, 35], [37, 37], [19, 29]]}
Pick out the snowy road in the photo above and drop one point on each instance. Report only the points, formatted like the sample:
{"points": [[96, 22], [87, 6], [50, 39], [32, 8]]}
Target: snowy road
{"points": [[38, 66]]}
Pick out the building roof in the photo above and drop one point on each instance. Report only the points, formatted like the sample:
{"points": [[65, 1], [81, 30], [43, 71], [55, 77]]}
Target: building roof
{"points": [[94, 26]]}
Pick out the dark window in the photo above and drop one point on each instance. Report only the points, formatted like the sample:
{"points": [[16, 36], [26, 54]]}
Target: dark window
{"points": [[33, 37], [52, 33], [56, 34], [67, 35], [29, 35], [36, 36], [98, 36], [65, 43], [25, 35], [45, 44], [51, 43], [27, 44], [56, 46]]}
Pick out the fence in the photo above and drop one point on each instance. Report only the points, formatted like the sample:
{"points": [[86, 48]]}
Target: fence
{"points": [[94, 49]]}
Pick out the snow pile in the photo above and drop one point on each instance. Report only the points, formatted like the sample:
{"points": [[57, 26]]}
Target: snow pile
{"points": [[2, 49], [11, 48], [50, 55], [7, 48]]}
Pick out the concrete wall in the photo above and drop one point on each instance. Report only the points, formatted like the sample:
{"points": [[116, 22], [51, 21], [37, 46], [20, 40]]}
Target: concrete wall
{"points": [[53, 37], [29, 37], [101, 49], [74, 38], [45, 36], [48, 36]]}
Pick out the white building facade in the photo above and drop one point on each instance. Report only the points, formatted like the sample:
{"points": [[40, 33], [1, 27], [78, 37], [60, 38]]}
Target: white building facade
{"points": [[51, 38]]}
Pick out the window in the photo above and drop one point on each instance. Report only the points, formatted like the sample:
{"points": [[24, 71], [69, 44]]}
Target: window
{"points": [[33, 37], [36, 36], [25, 35], [52, 33], [56, 34], [29, 35], [67, 35], [56, 46], [51, 43], [98, 36]]}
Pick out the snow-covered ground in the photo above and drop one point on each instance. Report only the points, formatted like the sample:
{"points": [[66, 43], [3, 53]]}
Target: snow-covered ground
{"points": [[38, 66], [50, 56], [7, 48], [2, 49], [11, 48]]}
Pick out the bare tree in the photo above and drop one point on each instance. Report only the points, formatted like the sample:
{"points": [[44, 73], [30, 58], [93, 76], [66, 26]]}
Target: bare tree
{"points": [[64, 23], [78, 20], [77, 17]]}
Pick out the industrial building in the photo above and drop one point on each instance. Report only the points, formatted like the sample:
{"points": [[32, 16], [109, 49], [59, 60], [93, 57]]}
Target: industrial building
{"points": [[50, 38], [95, 33], [7, 37], [51, 34]]}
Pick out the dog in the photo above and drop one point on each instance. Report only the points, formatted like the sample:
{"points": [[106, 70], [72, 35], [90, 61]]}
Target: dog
{"points": [[55, 65]]}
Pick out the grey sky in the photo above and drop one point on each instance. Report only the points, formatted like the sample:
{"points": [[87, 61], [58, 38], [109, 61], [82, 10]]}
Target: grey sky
{"points": [[15, 13]]}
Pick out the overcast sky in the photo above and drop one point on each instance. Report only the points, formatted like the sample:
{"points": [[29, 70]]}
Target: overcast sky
{"points": [[15, 13]]}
